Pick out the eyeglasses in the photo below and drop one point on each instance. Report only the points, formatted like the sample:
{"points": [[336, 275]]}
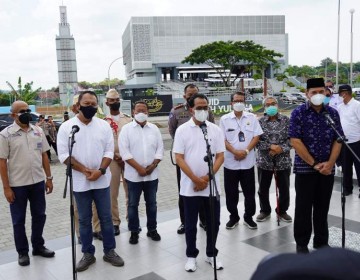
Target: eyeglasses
{"points": [[23, 112], [270, 104]]}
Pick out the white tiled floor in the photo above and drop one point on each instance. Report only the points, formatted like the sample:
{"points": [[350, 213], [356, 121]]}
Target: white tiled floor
{"points": [[167, 257]]}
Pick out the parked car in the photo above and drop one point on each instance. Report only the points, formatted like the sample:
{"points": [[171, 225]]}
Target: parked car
{"points": [[288, 98], [300, 97]]}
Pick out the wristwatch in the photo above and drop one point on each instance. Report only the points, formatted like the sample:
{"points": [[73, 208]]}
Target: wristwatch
{"points": [[49, 178], [102, 170]]}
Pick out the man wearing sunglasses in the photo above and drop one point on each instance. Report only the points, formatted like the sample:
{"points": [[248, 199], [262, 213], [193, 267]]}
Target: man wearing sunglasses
{"points": [[242, 132], [23, 162]]}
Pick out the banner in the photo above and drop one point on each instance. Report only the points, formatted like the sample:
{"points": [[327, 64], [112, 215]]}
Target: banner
{"points": [[158, 104]]}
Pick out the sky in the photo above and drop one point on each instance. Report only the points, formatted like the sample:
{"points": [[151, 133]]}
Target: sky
{"points": [[28, 29]]}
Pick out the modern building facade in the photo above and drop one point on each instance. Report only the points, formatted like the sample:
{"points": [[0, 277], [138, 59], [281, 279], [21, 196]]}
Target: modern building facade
{"points": [[66, 55], [153, 47]]}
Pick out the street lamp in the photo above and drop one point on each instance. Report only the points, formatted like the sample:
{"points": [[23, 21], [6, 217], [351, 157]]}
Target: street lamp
{"points": [[110, 67], [337, 52], [352, 11]]}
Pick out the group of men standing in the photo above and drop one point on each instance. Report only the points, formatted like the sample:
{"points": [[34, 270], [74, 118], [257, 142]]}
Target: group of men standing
{"points": [[132, 150]]}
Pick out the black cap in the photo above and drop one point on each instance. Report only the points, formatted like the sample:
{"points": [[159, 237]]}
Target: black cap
{"points": [[345, 88], [315, 82], [66, 113]]}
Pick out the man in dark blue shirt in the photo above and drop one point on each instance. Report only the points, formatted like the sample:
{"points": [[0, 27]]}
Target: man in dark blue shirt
{"points": [[316, 152]]}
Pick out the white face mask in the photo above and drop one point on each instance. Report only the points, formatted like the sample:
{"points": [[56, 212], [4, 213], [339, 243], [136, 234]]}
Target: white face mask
{"points": [[141, 117], [239, 106], [317, 99], [341, 99], [201, 115]]}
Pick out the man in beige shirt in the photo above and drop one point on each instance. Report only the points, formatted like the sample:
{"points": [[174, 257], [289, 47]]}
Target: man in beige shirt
{"points": [[23, 160], [117, 120]]}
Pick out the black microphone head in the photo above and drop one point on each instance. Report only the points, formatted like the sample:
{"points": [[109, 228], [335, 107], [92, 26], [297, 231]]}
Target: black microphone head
{"points": [[203, 125], [75, 128]]}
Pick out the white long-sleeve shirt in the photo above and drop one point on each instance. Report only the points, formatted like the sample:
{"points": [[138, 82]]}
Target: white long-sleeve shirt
{"points": [[144, 145], [94, 141]]}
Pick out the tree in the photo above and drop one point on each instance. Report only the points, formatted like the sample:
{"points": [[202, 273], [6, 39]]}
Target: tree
{"points": [[225, 57], [26, 93]]}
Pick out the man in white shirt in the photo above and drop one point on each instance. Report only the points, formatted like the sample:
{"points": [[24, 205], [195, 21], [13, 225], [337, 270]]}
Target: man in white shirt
{"points": [[190, 149], [142, 148], [349, 112], [91, 155], [242, 132], [117, 120]]}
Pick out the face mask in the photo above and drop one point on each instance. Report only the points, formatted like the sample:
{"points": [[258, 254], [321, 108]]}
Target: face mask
{"points": [[88, 111], [271, 111], [141, 117], [239, 106], [25, 118], [341, 99], [115, 106], [326, 100], [201, 115], [317, 99]]}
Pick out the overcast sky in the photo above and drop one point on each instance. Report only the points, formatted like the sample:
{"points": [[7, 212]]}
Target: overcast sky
{"points": [[28, 29]]}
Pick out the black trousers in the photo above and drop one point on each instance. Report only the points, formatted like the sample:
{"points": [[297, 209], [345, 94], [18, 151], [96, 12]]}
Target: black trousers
{"points": [[348, 160], [313, 194], [246, 178], [202, 215], [283, 183]]}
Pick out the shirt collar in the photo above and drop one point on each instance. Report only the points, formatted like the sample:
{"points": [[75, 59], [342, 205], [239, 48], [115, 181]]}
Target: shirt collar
{"points": [[193, 124], [134, 123], [17, 127], [233, 116], [308, 107]]}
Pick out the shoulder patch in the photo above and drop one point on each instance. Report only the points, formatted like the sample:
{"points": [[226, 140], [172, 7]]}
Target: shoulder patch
{"points": [[179, 106]]}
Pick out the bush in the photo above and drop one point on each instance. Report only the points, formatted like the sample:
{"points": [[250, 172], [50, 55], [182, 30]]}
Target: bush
{"points": [[283, 90], [290, 84]]}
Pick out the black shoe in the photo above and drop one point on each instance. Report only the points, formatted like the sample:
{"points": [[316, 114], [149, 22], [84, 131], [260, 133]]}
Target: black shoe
{"points": [[44, 252], [319, 246], [24, 259], [154, 235], [348, 192], [79, 240], [202, 225], [249, 222], [232, 224], [98, 235], [134, 238], [181, 229], [302, 249], [117, 230]]}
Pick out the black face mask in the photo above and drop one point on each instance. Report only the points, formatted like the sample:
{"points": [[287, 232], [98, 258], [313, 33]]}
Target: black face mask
{"points": [[88, 111], [25, 118], [115, 106]]}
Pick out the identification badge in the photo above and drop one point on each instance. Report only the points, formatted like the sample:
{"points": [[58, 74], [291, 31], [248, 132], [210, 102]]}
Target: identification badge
{"points": [[241, 136], [39, 146]]}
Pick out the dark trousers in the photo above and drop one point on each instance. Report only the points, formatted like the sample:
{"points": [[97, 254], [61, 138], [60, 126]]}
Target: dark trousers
{"points": [[181, 202], [348, 160], [35, 194], [192, 206], [246, 177], [313, 194], [283, 183]]}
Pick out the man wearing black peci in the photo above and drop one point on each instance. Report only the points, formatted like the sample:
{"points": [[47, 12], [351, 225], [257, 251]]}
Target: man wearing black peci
{"points": [[316, 152]]}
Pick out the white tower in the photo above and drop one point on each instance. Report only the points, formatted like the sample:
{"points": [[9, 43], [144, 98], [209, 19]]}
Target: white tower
{"points": [[66, 56]]}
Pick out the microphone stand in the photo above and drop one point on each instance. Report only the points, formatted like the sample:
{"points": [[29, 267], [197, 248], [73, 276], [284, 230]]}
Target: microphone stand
{"points": [[70, 179], [213, 189], [341, 139]]}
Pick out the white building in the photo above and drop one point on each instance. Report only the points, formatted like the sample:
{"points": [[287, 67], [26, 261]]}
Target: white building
{"points": [[66, 55], [153, 47]]}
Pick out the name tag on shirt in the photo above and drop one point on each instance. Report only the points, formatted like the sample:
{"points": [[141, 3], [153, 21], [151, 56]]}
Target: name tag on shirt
{"points": [[38, 146]]}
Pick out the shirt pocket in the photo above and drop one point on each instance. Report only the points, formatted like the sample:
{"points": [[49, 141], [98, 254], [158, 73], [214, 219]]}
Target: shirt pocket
{"points": [[230, 135]]}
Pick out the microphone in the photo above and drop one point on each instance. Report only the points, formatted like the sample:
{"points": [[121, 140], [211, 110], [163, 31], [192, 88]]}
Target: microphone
{"points": [[74, 129], [328, 118], [204, 130]]}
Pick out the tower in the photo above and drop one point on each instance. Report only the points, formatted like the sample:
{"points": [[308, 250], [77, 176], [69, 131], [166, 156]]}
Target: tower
{"points": [[66, 56]]}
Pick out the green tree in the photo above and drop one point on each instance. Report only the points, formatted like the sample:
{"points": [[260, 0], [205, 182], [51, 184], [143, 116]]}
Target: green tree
{"points": [[26, 92], [225, 57]]}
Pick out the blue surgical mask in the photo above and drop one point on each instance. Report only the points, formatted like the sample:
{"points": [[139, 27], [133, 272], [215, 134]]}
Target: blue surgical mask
{"points": [[271, 110], [326, 100]]}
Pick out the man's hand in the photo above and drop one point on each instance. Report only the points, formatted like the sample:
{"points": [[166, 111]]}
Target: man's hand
{"points": [[49, 186], [142, 171], [240, 154], [9, 194], [93, 174], [200, 183], [275, 150], [324, 168], [150, 168]]}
